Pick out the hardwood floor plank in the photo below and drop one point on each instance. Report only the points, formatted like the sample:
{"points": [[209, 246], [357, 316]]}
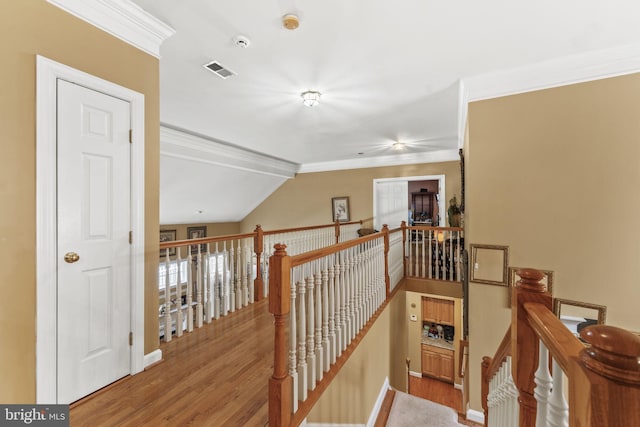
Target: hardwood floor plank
{"points": [[215, 376]]}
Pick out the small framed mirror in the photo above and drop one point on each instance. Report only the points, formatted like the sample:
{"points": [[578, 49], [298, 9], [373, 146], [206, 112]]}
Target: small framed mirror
{"points": [[489, 264], [577, 314]]}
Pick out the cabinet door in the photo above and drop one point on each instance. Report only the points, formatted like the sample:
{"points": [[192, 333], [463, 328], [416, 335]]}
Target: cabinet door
{"points": [[446, 367], [429, 310], [445, 312], [430, 363]]}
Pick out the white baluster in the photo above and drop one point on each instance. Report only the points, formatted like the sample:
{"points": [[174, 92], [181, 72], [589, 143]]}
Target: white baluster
{"points": [[543, 382], [311, 354], [206, 282], [242, 268], [558, 407], [512, 397], [199, 305], [318, 323], [333, 310], [344, 321], [325, 316], [189, 297], [224, 290], [178, 303], [303, 375], [429, 244], [167, 298], [232, 278], [293, 321]]}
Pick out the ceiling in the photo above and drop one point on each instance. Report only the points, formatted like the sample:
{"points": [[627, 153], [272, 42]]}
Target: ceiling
{"points": [[388, 71]]}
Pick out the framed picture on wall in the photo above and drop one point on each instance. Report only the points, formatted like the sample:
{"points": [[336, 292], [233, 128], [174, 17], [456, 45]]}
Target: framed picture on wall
{"points": [[167, 236], [340, 208], [199, 232]]}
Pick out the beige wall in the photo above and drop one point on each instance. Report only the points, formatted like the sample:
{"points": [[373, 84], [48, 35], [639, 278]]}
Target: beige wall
{"points": [[352, 394], [306, 199], [213, 229], [398, 341], [540, 168], [35, 27]]}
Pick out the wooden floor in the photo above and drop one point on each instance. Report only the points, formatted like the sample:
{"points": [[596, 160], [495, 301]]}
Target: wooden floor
{"points": [[215, 376]]}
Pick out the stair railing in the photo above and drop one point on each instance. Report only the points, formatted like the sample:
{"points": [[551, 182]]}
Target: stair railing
{"points": [[203, 279], [323, 302], [433, 252], [602, 370]]}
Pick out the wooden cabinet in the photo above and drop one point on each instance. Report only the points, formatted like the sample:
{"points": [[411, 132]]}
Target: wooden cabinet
{"points": [[422, 206], [436, 310], [437, 362]]}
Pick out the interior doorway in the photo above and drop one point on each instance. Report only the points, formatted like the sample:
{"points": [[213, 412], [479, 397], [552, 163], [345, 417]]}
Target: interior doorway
{"points": [[391, 200], [48, 255]]}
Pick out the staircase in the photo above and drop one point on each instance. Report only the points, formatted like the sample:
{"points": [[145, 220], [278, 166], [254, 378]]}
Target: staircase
{"points": [[404, 410]]}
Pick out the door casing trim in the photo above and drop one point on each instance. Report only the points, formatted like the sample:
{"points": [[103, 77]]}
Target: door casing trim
{"points": [[47, 74]]}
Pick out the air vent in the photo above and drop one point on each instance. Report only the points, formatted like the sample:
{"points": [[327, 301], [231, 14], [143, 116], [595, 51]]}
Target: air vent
{"points": [[219, 70]]}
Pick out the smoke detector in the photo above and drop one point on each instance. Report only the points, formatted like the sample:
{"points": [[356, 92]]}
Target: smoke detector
{"points": [[290, 21], [241, 41]]}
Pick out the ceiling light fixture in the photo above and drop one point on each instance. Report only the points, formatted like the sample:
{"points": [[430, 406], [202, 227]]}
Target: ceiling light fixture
{"points": [[310, 98], [398, 146]]}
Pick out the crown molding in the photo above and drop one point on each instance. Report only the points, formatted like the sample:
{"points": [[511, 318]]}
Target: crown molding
{"points": [[373, 162], [184, 145], [122, 19], [553, 73]]}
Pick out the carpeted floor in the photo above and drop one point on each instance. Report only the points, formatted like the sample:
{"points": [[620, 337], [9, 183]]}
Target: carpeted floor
{"points": [[411, 411]]}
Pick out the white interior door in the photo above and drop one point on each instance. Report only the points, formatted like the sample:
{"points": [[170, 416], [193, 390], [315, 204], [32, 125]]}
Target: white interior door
{"points": [[391, 203], [94, 220]]}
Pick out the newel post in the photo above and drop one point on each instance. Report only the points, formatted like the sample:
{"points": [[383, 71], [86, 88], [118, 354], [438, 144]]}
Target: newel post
{"points": [[280, 384], [337, 226], [614, 357], [524, 341], [258, 283], [387, 281]]}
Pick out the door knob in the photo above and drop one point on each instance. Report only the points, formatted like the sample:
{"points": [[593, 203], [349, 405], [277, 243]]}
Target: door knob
{"points": [[71, 257]]}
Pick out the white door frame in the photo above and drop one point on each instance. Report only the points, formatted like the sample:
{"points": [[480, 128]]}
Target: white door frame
{"points": [[47, 74], [441, 191]]}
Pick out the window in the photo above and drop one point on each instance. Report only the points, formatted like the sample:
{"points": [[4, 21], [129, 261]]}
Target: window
{"points": [[173, 273]]}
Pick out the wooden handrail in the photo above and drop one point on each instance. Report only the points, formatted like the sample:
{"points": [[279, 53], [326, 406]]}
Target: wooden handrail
{"points": [[322, 252], [204, 240], [310, 227], [558, 339], [604, 376]]}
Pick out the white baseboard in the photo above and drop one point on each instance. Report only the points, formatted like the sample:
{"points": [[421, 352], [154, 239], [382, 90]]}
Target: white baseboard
{"points": [[154, 357], [376, 408], [457, 386], [475, 416], [415, 374]]}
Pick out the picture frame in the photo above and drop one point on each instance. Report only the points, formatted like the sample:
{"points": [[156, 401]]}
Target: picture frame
{"points": [[198, 232], [489, 264], [562, 307], [167, 236], [340, 209]]}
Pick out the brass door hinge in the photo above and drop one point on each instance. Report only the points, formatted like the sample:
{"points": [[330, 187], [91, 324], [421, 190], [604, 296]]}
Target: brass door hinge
{"points": [[130, 136], [130, 237], [130, 338]]}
